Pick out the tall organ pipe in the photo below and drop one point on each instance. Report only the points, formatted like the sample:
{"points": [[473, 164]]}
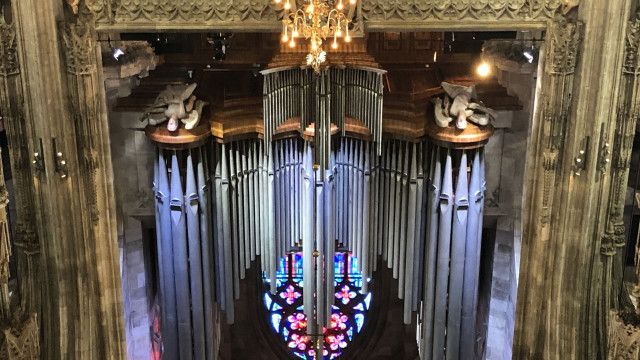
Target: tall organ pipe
{"points": [[452, 251], [185, 253], [443, 258], [165, 256]]}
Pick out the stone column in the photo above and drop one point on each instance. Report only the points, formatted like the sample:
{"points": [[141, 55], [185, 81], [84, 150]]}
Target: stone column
{"points": [[65, 112], [560, 312], [18, 130]]}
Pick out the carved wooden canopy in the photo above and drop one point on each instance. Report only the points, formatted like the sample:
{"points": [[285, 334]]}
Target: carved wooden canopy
{"points": [[263, 15]]}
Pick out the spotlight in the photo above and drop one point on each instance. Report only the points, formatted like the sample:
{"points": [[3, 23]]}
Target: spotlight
{"points": [[219, 43], [483, 70], [117, 53], [528, 56]]}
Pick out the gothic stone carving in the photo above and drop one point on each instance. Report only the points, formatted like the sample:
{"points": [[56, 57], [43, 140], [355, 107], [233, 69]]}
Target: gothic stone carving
{"points": [[81, 59], [492, 10], [627, 117], [21, 342], [624, 337], [8, 48], [564, 40], [12, 108], [261, 14], [79, 49], [632, 53]]}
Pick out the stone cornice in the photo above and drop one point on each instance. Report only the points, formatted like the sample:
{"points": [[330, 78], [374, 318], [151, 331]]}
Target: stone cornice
{"points": [[262, 15]]}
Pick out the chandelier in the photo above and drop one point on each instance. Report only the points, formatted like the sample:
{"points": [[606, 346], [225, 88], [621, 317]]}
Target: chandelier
{"points": [[317, 21]]}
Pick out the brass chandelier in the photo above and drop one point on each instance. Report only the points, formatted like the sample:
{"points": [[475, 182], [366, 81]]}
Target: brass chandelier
{"points": [[317, 21]]}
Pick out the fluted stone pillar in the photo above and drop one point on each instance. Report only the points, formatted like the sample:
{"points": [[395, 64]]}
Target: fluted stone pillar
{"points": [[66, 118], [27, 248]]}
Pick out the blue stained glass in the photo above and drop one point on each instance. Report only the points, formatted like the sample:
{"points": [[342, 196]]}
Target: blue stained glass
{"points": [[275, 321], [267, 301], [359, 321], [367, 301], [348, 312]]}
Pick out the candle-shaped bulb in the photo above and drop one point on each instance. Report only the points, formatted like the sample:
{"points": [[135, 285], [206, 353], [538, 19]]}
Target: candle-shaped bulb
{"points": [[287, 5], [340, 5], [292, 43]]}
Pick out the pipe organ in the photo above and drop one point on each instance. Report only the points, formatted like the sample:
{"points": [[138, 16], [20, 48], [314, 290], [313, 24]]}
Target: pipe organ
{"points": [[415, 204], [318, 100], [454, 211]]}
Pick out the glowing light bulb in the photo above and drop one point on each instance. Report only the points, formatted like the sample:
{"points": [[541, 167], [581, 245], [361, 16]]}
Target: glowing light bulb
{"points": [[339, 33], [483, 70], [334, 45], [314, 46], [278, 1], [340, 6], [285, 38], [347, 38], [310, 8], [353, 2], [292, 43], [287, 5], [295, 33]]}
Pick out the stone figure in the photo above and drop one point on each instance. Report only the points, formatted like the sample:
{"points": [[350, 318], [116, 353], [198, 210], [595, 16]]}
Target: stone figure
{"points": [[459, 104], [73, 4], [176, 103], [568, 5]]}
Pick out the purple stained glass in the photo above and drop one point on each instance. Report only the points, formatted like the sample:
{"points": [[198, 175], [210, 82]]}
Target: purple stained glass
{"points": [[348, 312]]}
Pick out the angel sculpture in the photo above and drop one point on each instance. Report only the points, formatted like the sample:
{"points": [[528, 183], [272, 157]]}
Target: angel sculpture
{"points": [[458, 103], [176, 103]]}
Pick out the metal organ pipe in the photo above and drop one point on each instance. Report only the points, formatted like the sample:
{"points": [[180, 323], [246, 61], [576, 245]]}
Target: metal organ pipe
{"points": [[452, 253], [165, 257], [185, 250], [412, 203]]}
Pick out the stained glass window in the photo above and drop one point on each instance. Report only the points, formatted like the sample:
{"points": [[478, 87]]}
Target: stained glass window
{"points": [[286, 312]]}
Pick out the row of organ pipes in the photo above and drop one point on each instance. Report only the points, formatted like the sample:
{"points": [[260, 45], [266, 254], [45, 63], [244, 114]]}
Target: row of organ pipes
{"points": [[416, 205]]}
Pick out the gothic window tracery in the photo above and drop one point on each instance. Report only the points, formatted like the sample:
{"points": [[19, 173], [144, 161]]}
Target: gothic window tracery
{"points": [[285, 308]]}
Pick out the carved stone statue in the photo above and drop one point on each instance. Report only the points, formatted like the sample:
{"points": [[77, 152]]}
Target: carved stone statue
{"points": [[458, 104], [73, 4], [176, 103], [568, 5]]}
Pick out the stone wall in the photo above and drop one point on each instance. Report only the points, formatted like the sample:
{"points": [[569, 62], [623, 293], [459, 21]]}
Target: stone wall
{"points": [[506, 154], [133, 155]]}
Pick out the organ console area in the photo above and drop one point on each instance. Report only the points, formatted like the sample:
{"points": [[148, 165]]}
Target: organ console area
{"points": [[335, 164]]}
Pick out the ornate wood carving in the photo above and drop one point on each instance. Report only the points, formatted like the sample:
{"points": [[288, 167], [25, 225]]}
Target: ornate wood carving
{"points": [[563, 40], [263, 15]]}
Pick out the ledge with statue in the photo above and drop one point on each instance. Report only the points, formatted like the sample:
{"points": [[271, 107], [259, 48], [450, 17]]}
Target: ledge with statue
{"points": [[453, 111]]}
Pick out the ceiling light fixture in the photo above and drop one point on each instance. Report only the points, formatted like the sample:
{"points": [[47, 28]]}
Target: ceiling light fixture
{"points": [[317, 21]]}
